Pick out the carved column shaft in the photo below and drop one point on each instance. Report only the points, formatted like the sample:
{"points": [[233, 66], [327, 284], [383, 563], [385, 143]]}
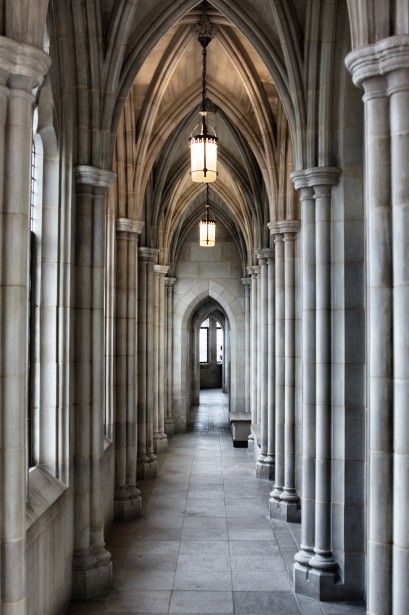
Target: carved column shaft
{"points": [[382, 70], [92, 567], [169, 422], [279, 366], [160, 437], [127, 501], [264, 466], [22, 68], [147, 466], [246, 283]]}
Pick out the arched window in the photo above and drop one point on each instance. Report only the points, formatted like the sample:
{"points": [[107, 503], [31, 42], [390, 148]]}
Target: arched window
{"points": [[219, 342], [204, 342], [36, 194]]}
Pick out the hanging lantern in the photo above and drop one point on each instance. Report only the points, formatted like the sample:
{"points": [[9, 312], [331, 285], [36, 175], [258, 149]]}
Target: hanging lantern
{"points": [[207, 228], [203, 140]]}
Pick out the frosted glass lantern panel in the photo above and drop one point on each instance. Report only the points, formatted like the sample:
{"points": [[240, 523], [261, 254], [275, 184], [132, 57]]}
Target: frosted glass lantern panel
{"points": [[207, 234], [203, 156]]}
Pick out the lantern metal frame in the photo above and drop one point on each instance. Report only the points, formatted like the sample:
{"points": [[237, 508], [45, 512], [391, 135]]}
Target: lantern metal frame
{"points": [[208, 240], [203, 133]]}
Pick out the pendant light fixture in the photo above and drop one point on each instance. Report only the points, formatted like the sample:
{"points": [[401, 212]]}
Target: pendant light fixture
{"points": [[207, 227], [203, 140]]}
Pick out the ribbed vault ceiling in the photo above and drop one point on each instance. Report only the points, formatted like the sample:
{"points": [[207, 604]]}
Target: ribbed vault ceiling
{"points": [[246, 111]]}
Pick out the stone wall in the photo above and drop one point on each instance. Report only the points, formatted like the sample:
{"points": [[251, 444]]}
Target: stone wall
{"points": [[202, 273]]}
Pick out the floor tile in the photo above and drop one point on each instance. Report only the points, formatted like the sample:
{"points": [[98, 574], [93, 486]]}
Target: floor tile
{"points": [[139, 602], [201, 602], [204, 580], [263, 603], [205, 543]]}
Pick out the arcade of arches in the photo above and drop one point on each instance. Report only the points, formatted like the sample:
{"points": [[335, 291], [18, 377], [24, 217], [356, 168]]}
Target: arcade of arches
{"points": [[104, 288]]}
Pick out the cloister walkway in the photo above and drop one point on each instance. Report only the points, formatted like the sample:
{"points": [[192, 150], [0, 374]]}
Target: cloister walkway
{"points": [[205, 543]]}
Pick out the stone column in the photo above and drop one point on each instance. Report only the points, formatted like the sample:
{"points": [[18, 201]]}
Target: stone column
{"points": [[382, 70], [289, 508], [271, 364], [246, 283], [169, 422], [92, 567], [22, 69], [398, 90], [275, 496], [317, 577], [160, 437], [264, 463], [127, 499], [147, 464], [253, 271], [307, 206]]}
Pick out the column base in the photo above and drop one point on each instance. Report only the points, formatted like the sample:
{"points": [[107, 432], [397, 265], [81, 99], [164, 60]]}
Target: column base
{"points": [[285, 511], [160, 442], [127, 504], [147, 468], [91, 575], [169, 427], [265, 468], [316, 584]]}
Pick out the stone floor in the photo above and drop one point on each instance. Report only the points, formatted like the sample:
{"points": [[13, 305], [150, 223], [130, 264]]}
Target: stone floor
{"points": [[205, 543]]}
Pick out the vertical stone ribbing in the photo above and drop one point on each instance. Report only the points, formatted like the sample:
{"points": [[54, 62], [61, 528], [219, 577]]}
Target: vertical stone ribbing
{"points": [[22, 68], [127, 499], [315, 568], [169, 422], [271, 363], [378, 69], [160, 437], [264, 462], [289, 497], [275, 495], [253, 271], [323, 559], [147, 465], [398, 91], [246, 283], [92, 567], [308, 369], [259, 352]]}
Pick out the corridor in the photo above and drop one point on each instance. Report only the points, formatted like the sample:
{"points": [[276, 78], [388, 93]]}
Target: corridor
{"points": [[205, 543]]}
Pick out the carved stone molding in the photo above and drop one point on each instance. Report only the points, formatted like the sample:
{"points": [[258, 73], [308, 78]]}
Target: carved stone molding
{"points": [[265, 253], [92, 176], [381, 58], [22, 65], [289, 226], [148, 254], [125, 225], [161, 269], [170, 281], [315, 176]]}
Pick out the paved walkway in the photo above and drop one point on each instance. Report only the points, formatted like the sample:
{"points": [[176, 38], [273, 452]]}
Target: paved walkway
{"points": [[205, 543]]}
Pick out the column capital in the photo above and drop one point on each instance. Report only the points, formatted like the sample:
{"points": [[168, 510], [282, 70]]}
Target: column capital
{"points": [[254, 270], [246, 281], [148, 255], [22, 66], [170, 282], [289, 226], [321, 176], [161, 269], [264, 253], [381, 58], [126, 225], [93, 176]]}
